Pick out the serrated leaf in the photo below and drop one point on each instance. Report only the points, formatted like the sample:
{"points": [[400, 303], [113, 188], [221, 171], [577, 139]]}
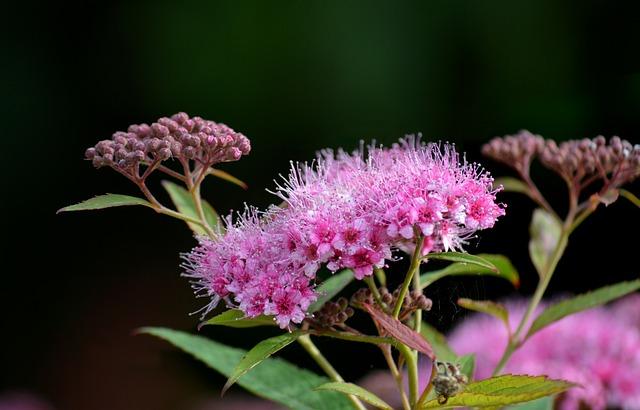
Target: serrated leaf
{"points": [[274, 379], [630, 196], [228, 177], [236, 318], [463, 258], [106, 201], [582, 302], [331, 287], [545, 231], [259, 353], [510, 184], [184, 203], [502, 391], [486, 306], [355, 390], [505, 270], [400, 331], [438, 342]]}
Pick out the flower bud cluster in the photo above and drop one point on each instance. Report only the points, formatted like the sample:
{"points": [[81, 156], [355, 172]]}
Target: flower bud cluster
{"points": [[349, 211], [580, 162], [179, 137], [576, 160], [332, 314], [516, 150], [448, 381], [413, 301]]}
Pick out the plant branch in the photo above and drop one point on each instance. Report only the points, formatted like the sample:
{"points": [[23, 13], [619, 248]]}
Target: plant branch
{"points": [[415, 264]]}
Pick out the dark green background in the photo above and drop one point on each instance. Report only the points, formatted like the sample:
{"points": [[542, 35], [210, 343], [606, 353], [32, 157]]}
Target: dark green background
{"points": [[294, 77]]}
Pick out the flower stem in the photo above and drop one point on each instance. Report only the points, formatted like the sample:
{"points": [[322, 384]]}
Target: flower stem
{"points": [[415, 264], [397, 375], [324, 364], [197, 200], [518, 339], [412, 372]]}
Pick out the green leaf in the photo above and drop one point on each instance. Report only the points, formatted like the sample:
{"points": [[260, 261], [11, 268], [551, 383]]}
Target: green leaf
{"points": [[236, 318], [438, 342], [331, 287], [630, 196], [486, 306], [227, 177], [184, 203], [505, 270], [502, 391], [511, 184], [273, 379], [260, 352], [545, 403], [582, 302], [355, 390], [106, 201], [467, 365], [545, 231], [463, 258]]}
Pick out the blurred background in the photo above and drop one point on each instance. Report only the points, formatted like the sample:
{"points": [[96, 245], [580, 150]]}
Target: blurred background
{"points": [[294, 77]]}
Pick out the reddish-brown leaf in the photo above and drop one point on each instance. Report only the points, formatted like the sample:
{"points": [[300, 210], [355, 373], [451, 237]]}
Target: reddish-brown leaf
{"points": [[400, 331]]}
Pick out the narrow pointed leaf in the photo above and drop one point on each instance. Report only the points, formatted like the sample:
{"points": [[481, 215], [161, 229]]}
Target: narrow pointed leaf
{"points": [[505, 270], [510, 184], [400, 331], [274, 379], [582, 302], [630, 196], [355, 390], [258, 353], [185, 205], [463, 258], [545, 231], [438, 342], [486, 306], [503, 390], [236, 318], [467, 365], [106, 201], [331, 287], [228, 177]]}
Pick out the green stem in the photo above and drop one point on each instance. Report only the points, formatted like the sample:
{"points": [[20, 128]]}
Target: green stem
{"points": [[375, 292], [415, 264], [517, 339], [418, 314], [158, 207], [397, 375], [197, 200], [412, 372], [324, 364]]}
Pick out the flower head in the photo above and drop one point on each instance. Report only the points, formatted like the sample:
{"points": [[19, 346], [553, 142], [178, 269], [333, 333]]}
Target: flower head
{"points": [[180, 137], [347, 211], [597, 349]]}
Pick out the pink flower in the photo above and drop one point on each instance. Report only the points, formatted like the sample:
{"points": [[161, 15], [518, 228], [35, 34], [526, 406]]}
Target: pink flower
{"points": [[348, 211], [597, 349]]}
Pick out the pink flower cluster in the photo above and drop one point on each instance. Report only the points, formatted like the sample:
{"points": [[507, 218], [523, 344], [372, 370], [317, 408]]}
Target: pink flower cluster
{"points": [[598, 348], [346, 211]]}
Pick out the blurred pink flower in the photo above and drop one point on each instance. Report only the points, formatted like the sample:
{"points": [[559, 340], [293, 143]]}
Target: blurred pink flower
{"points": [[598, 349]]}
